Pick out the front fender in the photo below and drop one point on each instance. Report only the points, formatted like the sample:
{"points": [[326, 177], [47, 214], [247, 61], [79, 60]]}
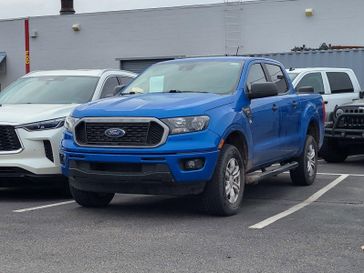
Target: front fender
{"points": [[227, 121]]}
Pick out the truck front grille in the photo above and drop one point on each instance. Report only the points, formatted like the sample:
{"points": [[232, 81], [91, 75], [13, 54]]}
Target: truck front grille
{"points": [[9, 140], [353, 118], [138, 133]]}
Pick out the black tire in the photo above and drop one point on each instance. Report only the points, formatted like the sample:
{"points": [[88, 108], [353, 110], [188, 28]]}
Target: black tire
{"points": [[215, 199], [331, 152], [302, 175], [91, 199]]}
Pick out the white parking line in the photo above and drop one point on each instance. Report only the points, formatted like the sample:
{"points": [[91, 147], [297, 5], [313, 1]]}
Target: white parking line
{"points": [[45, 207], [301, 205], [348, 174], [336, 174]]}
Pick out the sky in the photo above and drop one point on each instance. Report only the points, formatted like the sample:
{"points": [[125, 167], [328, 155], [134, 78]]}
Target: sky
{"points": [[24, 8]]}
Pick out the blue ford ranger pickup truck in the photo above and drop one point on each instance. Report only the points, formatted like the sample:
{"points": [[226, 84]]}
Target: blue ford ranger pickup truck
{"points": [[198, 126]]}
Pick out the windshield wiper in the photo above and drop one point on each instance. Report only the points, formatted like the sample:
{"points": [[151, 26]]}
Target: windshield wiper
{"points": [[130, 93], [180, 91]]}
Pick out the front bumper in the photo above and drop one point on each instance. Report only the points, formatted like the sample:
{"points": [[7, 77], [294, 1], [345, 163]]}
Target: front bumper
{"points": [[348, 126], [152, 170], [31, 160], [354, 134], [73, 165]]}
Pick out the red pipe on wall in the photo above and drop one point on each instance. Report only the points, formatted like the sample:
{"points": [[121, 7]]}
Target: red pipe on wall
{"points": [[27, 46]]}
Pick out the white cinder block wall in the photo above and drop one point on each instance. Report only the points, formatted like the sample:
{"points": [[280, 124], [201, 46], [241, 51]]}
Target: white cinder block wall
{"points": [[254, 26]]}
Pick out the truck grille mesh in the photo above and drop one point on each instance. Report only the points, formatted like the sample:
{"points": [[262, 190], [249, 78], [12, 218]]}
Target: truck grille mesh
{"points": [[352, 119], [9, 140], [351, 122], [136, 133]]}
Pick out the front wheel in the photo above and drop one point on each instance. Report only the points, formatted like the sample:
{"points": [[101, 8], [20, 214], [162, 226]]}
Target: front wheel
{"points": [[91, 199], [305, 173], [224, 193]]}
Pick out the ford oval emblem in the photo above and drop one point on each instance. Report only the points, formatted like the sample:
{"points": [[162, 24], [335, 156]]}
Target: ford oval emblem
{"points": [[115, 132]]}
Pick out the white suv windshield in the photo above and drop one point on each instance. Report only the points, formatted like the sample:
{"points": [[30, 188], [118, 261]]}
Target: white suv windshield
{"points": [[50, 90], [219, 77]]}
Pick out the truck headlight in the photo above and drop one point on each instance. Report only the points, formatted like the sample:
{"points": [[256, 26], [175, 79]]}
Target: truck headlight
{"points": [[69, 123], [44, 125], [339, 112], [187, 124]]}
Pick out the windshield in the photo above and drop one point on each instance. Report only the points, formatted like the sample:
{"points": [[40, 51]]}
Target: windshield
{"points": [[219, 77], [50, 90], [292, 76]]}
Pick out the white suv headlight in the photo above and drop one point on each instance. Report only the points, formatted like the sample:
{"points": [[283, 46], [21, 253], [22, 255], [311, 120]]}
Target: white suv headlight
{"points": [[69, 123], [187, 124], [43, 125]]}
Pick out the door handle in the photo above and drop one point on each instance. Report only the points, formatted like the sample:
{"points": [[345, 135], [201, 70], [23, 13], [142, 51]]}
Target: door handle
{"points": [[275, 107], [294, 104]]}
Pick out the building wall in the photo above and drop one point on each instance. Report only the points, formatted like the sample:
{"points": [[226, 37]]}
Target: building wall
{"points": [[145, 33], [253, 26], [279, 25], [12, 42]]}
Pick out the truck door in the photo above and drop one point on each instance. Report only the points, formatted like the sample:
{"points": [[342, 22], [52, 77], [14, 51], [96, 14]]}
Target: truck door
{"points": [[264, 120], [289, 113], [342, 90]]}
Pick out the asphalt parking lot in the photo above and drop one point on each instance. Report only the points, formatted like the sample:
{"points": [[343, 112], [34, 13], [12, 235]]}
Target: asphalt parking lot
{"points": [[281, 228]]}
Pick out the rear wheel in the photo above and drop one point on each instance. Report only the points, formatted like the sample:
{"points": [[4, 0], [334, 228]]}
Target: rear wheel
{"points": [[305, 173], [91, 199], [223, 194], [331, 152]]}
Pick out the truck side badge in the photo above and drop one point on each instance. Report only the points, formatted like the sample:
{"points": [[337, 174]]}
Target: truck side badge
{"points": [[248, 113]]}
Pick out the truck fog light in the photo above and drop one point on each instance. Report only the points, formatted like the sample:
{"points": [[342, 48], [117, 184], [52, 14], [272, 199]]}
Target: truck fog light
{"points": [[193, 164]]}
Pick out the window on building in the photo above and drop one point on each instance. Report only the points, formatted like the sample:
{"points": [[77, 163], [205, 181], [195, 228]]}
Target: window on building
{"points": [[109, 87], [314, 80], [340, 82], [277, 76], [256, 75]]}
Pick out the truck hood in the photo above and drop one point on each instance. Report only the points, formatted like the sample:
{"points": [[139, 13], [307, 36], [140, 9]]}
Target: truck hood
{"points": [[161, 105], [16, 114], [359, 102]]}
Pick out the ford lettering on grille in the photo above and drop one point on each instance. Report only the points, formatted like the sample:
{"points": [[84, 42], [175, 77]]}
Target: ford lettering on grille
{"points": [[115, 132]]}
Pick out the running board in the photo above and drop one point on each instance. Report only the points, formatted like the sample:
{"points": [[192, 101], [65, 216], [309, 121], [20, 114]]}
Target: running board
{"points": [[255, 177]]}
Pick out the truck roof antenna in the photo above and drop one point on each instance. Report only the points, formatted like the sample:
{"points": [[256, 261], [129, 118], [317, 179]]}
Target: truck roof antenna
{"points": [[237, 50]]}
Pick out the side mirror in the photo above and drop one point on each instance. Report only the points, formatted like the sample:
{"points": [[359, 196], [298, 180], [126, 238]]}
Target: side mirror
{"points": [[306, 89], [361, 94], [118, 89], [262, 90]]}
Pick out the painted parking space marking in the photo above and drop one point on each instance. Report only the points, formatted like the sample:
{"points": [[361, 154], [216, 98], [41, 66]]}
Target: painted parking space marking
{"points": [[45, 206], [259, 225], [301, 205], [337, 174], [348, 174]]}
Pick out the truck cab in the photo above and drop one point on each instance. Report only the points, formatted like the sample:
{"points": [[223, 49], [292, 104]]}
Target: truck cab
{"points": [[200, 126]]}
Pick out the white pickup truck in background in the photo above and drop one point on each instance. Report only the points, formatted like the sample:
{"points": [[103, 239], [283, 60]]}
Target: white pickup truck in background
{"points": [[336, 85]]}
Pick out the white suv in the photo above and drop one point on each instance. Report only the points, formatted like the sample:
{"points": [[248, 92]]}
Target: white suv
{"points": [[337, 85], [32, 114]]}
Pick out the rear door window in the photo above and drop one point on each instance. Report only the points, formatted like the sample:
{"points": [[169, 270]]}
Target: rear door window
{"points": [[314, 80], [277, 76], [340, 82]]}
